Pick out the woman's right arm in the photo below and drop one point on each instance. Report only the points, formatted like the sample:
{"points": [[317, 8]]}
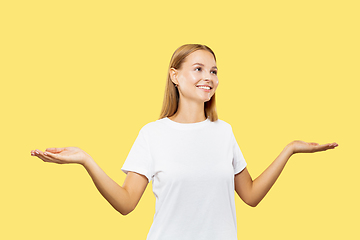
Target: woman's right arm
{"points": [[124, 199]]}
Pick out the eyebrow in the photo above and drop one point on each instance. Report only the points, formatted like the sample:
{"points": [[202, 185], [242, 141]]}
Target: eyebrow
{"points": [[203, 65]]}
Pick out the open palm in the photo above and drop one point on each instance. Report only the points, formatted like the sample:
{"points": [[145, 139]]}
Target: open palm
{"points": [[305, 147], [62, 155]]}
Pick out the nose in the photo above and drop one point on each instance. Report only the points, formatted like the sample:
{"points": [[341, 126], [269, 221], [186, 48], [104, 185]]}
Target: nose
{"points": [[207, 77]]}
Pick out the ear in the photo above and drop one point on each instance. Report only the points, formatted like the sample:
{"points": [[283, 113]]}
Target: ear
{"points": [[173, 75]]}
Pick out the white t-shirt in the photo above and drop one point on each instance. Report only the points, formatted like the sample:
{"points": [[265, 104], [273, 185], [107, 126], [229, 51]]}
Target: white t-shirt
{"points": [[192, 166]]}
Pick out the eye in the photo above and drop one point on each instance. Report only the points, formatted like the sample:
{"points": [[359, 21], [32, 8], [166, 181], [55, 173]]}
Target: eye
{"points": [[214, 72], [198, 69]]}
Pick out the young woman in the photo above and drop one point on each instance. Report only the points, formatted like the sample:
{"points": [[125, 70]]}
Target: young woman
{"points": [[192, 158]]}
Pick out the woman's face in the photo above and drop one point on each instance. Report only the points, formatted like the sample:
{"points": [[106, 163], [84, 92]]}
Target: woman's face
{"points": [[197, 78]]}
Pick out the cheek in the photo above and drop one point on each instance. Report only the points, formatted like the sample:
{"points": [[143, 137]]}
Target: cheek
{"points": [[193, 78], [216, 83], [189, 79]]}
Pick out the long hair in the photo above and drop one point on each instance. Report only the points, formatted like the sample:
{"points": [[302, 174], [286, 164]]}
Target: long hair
{"points": [[171, 97]]}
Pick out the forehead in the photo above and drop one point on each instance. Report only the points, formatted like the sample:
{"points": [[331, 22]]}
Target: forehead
{"points": [[200, 56]]}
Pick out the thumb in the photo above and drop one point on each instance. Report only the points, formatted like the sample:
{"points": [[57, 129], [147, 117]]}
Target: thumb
{"points": [[54, 150]]}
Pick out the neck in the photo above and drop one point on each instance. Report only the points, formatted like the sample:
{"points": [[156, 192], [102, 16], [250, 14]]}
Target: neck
{"points": [[189, 112]]}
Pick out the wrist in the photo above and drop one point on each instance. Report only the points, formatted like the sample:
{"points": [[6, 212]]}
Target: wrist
{"points": [[290, 149], [87, 161]]}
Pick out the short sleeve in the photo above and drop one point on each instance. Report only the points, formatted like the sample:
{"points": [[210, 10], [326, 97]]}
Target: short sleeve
{"points": [[139, 158], [239, 162]]}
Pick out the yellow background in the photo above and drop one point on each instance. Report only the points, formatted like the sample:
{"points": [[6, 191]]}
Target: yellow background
{"points": [[92, 73]]}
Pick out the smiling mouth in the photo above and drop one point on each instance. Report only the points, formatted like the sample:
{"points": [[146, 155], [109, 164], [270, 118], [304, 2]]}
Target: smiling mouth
{"points": [[204, 87]]}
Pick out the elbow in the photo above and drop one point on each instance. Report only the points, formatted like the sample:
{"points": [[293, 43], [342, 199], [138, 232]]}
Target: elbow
{"points": [[252, 203], [249, 201], [125, 211]]}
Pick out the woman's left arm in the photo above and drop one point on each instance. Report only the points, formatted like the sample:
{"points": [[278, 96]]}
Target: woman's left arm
{"points": [[253, 191]]}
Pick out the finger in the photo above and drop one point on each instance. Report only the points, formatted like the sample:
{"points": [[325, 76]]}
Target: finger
{"points": [[332, 145], [37, 152], [54, 150], [55, 156], [47, 159], [324, 146], [327, 146]]}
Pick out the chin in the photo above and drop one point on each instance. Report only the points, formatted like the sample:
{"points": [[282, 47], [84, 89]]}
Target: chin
{"points": [[207, 99]]}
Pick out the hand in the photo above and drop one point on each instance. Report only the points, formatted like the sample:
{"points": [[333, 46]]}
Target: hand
{"points": [[304, 147], [62, 155]]}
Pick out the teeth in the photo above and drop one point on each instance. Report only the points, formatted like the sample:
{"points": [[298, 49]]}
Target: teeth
{"points": [[203, 87]]}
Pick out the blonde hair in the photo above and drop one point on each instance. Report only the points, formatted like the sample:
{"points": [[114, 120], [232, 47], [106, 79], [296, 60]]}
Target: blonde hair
{"points": [[171, 97]]}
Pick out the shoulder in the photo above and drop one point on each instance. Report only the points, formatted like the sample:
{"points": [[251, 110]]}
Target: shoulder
{"points": [[222, 124], [152, 126]]}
